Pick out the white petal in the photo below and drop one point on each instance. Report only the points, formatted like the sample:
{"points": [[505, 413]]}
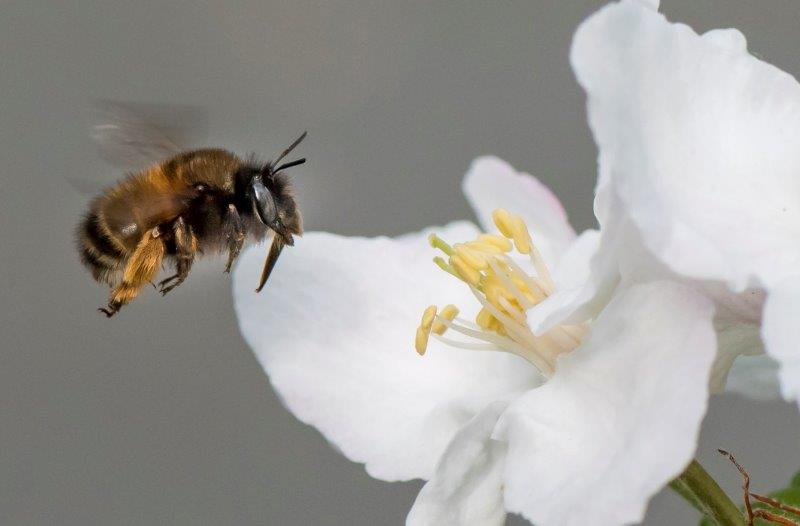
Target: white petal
{"points": [[575, 286], [492, 183], [733, 341], [781, 333], [467, 487], [573, 269], [728, 39], [738, 324], [755, 377], [620, 417], [699, 139], [334, 330], [737, 318], [582, 299]]}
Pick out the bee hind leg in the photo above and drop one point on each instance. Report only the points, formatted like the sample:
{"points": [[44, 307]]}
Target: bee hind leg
{"points": [[140, 269], [186, 245], [110, 310], [234, 230]]}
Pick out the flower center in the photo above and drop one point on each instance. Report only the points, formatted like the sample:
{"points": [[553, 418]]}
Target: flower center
{"points": [[505, 291]]}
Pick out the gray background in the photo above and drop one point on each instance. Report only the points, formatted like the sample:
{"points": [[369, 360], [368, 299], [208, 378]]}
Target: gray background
{"points": [[162, 415]]}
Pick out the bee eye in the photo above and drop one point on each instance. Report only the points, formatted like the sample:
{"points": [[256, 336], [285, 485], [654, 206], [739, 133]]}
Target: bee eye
{"points": [[264, 203], [200, 187]]}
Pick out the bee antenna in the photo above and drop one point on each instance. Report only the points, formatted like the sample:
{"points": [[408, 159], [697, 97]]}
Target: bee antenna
{"points": [[289, 165], [291, 147]]}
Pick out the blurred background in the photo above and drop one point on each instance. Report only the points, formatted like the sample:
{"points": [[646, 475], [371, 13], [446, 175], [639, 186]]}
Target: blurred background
{"points": [[162, 415]]}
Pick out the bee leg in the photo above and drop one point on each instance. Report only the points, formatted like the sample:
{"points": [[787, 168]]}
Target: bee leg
{"points": [[141, 268], [186, 246], [235, 233], [110, 311], [165, 281]]}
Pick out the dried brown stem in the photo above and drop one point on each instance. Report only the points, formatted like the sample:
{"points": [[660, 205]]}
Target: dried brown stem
{"points": [[774, 517], [745, 486], [775, 503]]}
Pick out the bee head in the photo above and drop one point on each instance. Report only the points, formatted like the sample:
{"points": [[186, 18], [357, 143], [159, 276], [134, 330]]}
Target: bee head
{"points": [[274, 200], [276, 207]]}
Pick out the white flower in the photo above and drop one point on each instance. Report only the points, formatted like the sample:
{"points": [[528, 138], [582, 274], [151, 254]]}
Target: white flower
{"points": [[567, 427], [699, 182]]}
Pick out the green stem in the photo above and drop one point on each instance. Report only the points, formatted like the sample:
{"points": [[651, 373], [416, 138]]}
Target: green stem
{"points": [[697, 487]]}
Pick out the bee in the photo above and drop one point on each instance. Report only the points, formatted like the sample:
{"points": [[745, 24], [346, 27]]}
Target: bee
{"points": [[190, 203]]}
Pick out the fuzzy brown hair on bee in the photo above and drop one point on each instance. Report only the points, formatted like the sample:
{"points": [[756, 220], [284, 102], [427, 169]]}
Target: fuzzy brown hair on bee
{"points": [[195, 202]]}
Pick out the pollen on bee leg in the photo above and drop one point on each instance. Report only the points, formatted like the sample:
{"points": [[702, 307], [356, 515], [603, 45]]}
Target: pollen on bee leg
{"points": [[449, 313]]}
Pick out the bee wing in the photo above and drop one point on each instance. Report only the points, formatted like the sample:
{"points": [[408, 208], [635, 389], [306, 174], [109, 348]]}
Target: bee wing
{"points": [[136, 135]]}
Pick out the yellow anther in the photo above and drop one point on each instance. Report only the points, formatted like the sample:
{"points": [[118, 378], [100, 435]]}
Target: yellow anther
{"points": [[424, 329], [421, 341], [465, 272], [485, 248], [494, 293], [484, 318], [502, 219], [427, 318], [437, 242], [522, 239], [494, 286], [471, 257], [449, 313], [500, 242]]}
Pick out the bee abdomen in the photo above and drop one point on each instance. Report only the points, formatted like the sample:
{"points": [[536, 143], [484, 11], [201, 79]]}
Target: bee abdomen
{"points": [[99, 253]]}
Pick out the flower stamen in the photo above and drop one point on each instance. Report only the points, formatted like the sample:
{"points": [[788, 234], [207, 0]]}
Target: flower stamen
{"points": [[448, 314], [424, 330], [505, 292]]}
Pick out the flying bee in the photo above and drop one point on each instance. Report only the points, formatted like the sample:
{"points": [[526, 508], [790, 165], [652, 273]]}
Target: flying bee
{"points": [[192, 202]]}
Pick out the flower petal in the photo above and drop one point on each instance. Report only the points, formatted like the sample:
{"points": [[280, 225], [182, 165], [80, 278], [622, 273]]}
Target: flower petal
{"points": [[621, 415], [781, 333], [574, 267], [699, 140], [334, 330], [492, 183], [755, 377], [581, 300], [576, 287], [737, 321], [467, 487]]}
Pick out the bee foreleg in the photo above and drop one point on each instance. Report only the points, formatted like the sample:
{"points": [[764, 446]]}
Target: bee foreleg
{"points": [[186, 246], [234, 230], [140, 269]]}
